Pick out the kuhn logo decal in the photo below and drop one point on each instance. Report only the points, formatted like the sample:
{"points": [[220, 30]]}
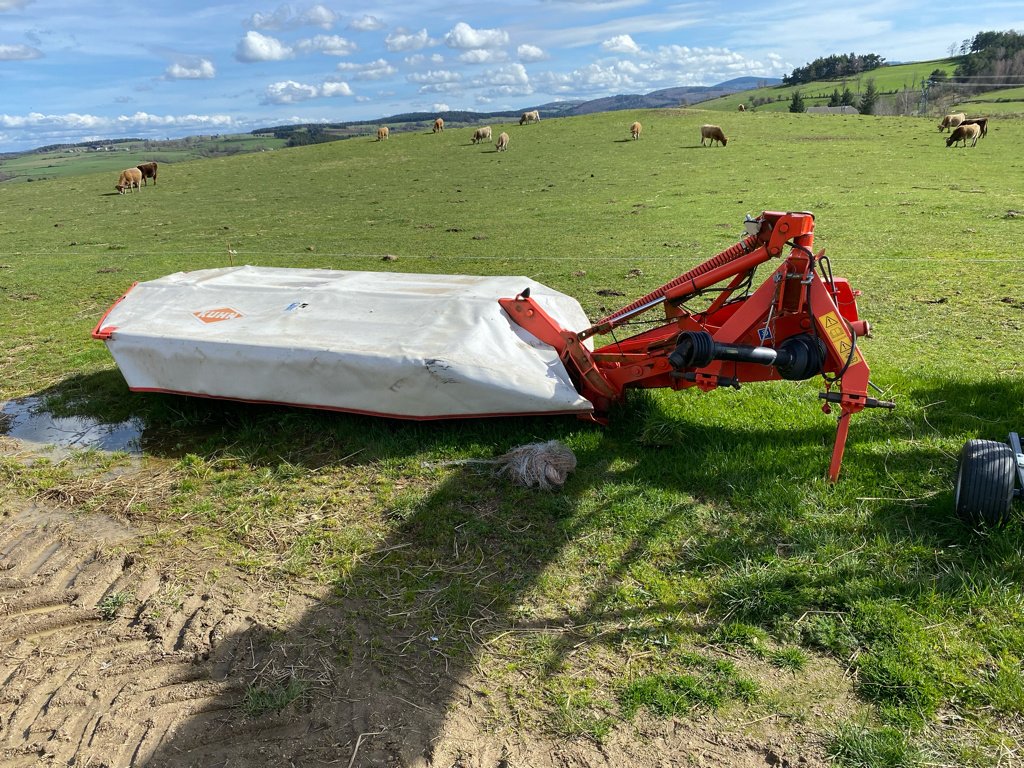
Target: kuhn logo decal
{"points": [[217, 315]]}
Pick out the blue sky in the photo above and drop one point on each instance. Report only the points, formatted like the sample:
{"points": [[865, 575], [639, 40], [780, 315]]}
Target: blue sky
{"points": [[76, 71]]}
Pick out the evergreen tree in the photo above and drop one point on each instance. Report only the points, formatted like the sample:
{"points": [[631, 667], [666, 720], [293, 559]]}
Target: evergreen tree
{"points": [[796, 104], [834, 100], [868, 98], [846, 100]]}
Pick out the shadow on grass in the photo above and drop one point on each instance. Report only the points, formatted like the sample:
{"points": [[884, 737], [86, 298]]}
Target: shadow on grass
{"points": [[468, 562]]}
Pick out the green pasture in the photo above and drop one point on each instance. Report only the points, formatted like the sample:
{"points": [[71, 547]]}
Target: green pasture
{"points": [[888, 80], [112, 158], [697, 560], [1004, 102]]}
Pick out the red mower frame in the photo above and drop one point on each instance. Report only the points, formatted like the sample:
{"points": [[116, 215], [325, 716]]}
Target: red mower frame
{"points": [[798, 324]]}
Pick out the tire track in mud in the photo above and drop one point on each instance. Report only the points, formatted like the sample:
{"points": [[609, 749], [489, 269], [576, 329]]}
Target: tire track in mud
{"points": [[102, 656]]}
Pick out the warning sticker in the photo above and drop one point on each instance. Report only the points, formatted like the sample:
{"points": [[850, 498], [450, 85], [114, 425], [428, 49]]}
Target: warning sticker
{"points": [[839, 337], [217, 315]]}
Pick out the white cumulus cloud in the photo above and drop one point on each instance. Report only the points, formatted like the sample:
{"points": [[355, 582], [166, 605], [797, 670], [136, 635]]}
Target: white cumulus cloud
{"points": [[404, 41], [464, 36], [607, 78], [367, 23], [144, 119], [511, 74], [335, 88], [418, 59], [318, 16], [434, 76], [19, 53], [530, 53], [13, 5], [620, 44], [284, 17], [440, 107], [510, 80], [38, 119], [202, 69], [437, 81], [291, 92], [329, 45], [372, 70], [482, 56], [257, 47]]}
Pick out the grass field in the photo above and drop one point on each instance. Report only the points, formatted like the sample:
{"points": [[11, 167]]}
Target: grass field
{"points": [[60, 163], [697, 553], [888, 80]]}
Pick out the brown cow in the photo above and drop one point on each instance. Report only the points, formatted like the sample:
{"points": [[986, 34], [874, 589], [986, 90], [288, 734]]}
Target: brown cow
{"points": [[964, 133], [530, 117], [741, 108], [482, 134], [130, 178], [439, 125], [502, 144], [949, 122], [712, 132], [148, 172], [634, 129], [981, 122], [383, 132]]}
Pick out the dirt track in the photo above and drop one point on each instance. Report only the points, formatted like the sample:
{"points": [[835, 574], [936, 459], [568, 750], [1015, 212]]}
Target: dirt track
{"points": [[162, 682]]}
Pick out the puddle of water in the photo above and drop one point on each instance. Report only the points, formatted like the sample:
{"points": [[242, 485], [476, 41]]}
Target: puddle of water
{"points": [[27, 420]]}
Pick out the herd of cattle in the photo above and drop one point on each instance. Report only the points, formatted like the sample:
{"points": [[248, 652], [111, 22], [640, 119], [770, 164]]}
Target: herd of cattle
{"points": [[709, 133], [134, 178], [961, 128]]}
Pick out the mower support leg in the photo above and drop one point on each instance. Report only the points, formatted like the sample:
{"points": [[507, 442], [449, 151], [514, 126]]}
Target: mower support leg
{"points": [[842, 430]]}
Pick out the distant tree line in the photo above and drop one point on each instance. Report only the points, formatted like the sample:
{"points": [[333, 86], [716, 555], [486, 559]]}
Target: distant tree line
{"points": [[992, 60], [832, 67], [865, 104], [310, 134], [83, 145]]}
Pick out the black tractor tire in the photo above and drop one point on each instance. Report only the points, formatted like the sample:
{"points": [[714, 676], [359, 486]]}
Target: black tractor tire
{"points": [[985, 475]]}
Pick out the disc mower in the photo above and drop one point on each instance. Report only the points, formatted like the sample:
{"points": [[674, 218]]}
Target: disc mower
{"points": [[447, 346], [800, 323]]}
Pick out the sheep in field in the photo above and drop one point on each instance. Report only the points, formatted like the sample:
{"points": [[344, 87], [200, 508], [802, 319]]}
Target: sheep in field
{"points": [[963, 133], [502, 144], [634, 130], [383, 132], [949, 122], [130, 178], [439, 125], [712, 133], [482, 134]]}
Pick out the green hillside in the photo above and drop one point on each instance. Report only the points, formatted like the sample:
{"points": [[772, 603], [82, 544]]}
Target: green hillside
{"points": [[697, 566], [889, 81], [1004, 102], [112, 157]]}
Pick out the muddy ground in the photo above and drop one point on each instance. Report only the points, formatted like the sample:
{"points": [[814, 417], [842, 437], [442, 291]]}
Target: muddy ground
{"points": [[111, 659]]}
